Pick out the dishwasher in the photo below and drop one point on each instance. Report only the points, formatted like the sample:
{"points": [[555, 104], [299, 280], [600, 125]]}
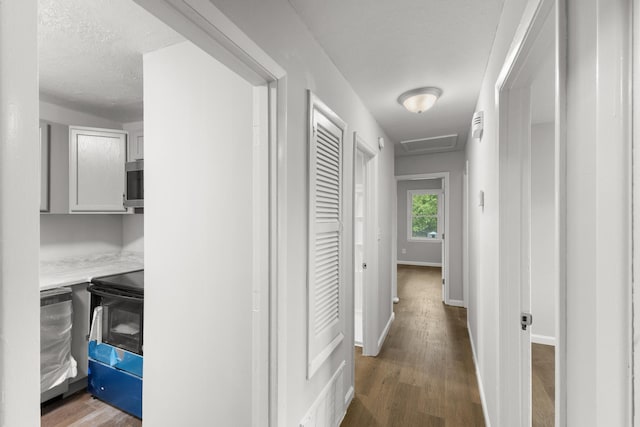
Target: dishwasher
{"points": [[57, 364]]}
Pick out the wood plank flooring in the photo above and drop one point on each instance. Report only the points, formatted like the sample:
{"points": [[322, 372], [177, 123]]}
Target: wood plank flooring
{"points": [[543, 390], [82, 410], [424, 375]]}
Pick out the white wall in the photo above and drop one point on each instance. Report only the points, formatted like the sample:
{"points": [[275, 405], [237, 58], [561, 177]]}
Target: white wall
{"points": [[452, 162], [63, 115], [543, 265], [198, 258], [276, 28], [133, 233], [77, 235], [598, 266], [415, 251], [19, 226]]}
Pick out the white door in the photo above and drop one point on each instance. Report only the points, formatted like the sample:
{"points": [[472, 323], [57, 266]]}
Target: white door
{"points": [[360, 243], [365, 230], [516, 115]]}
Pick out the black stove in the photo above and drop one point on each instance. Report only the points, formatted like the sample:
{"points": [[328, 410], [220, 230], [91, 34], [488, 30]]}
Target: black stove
{"points": [[132, 282]]}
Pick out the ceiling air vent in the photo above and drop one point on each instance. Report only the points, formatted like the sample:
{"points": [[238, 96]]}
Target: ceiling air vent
{"points": [[477, 125], [426, 145]]}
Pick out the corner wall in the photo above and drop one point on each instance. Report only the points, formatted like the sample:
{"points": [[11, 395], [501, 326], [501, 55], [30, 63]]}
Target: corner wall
{"points": [[19, 225]]}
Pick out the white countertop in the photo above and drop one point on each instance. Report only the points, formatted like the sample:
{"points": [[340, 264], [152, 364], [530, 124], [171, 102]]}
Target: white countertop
{"points": [[75, 270]]}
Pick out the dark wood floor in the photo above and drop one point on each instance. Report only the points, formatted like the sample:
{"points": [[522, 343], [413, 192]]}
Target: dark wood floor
{"points": [[81, 410], [424, 375], [543, 385]]}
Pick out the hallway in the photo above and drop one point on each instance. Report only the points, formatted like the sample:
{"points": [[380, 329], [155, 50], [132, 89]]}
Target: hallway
{"points": [[424, 375]]}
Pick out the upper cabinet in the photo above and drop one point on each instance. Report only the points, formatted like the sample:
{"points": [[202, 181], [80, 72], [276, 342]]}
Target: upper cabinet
{"points": [[96, 169], [136, 145]]}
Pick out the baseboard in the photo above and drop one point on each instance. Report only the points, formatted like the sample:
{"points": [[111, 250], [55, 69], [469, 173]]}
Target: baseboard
{"points": [[419, 263], [483, 399], [348, 397], [456, 303], [385, 332], [543, 339]]}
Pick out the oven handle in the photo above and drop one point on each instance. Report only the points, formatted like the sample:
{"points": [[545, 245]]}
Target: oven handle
{"points": [[110, 295]]}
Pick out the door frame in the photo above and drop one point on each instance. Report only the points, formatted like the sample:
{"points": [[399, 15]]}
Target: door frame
{"points": [[514, 174], [445, 246], [465, 234], [369, 298], [207, 27], [200, 22]]}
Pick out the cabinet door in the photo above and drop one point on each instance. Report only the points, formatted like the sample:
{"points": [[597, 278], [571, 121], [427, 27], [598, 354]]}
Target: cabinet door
{"points": [[96, 169], [136, 145], [44, 166]]}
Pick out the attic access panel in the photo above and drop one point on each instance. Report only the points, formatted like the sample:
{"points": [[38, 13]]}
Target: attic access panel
{"points": [[425, 145]]}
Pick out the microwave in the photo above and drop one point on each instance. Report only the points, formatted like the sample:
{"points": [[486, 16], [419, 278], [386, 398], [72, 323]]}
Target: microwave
{"points": [[134, 196]]}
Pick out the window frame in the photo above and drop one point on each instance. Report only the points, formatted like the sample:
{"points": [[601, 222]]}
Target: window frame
{"points": [[410, 194]]}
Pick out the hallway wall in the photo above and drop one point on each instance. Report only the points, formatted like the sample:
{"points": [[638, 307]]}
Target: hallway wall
{"points": [[275, 27], [597, 263], [452, 162]]}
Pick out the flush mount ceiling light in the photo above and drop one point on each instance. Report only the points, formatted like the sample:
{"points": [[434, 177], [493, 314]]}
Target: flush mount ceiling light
{"points": [[419, 100]]}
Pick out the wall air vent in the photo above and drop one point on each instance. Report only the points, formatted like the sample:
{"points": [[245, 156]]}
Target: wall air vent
{"points": [[477, 125], [426, 145]]}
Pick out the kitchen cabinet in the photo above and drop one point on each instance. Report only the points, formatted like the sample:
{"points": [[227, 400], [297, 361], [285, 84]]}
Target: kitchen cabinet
{"points": [[58, 168], [44, 166], [135, 145], [96, 170]]}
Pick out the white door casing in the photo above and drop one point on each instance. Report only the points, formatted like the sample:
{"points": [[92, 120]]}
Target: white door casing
{"points": [[537, 29], [206, 26]]}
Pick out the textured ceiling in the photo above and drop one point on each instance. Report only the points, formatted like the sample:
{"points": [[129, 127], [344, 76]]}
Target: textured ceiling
{"points": [[90, 54], [384, 48]]}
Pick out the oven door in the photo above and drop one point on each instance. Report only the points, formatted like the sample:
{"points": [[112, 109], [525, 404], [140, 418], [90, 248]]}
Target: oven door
{"points": [[122, 319]]}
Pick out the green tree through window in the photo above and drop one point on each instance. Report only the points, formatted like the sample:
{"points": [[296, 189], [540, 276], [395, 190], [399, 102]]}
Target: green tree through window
{"points": [[424, 216]]}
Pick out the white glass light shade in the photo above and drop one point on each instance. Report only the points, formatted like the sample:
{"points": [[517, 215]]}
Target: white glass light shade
{"points": [[419, 100]]}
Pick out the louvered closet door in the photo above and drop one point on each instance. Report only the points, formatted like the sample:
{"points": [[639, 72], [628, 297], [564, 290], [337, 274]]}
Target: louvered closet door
{"points": [[325, 240]]}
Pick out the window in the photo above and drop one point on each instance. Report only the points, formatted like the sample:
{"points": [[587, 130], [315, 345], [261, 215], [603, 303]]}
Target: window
{"points": [[423, 215]]}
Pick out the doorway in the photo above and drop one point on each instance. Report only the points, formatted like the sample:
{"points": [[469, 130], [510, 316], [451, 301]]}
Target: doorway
{"points": [[365, 247], [216, 36], [422, 225], [530, 225]]}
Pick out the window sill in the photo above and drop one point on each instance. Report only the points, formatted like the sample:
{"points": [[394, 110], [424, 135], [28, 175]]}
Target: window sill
{"points": [[413, 239]]}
